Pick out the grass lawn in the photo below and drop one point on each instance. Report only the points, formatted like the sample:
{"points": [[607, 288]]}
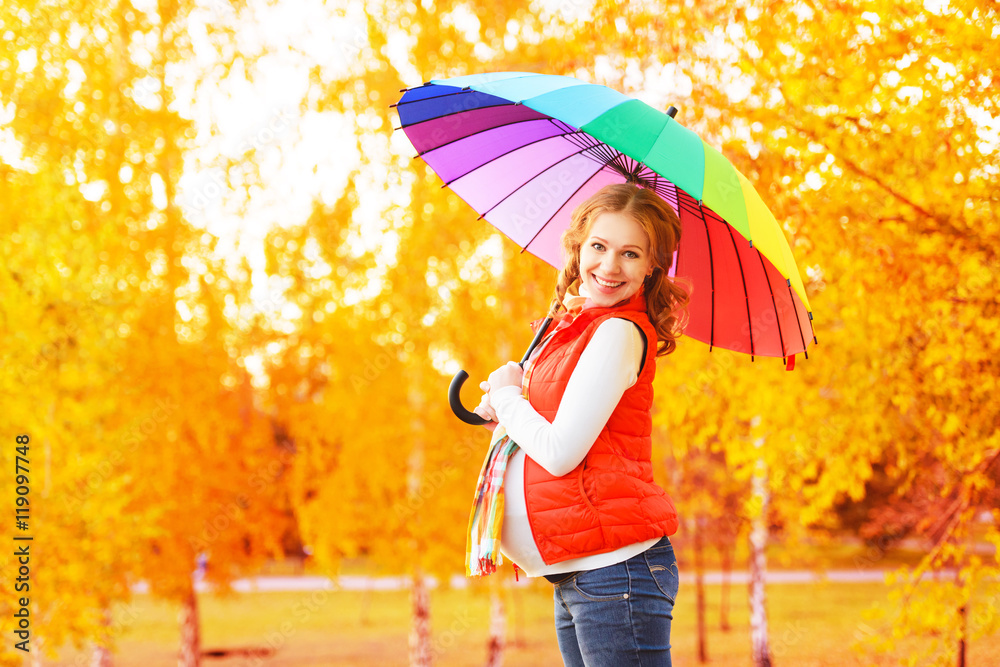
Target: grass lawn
{"points": [[810, 625]]}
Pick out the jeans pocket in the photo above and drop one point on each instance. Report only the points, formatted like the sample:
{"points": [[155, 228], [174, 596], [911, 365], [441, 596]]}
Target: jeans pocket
{"points": [[663, 568], [604, 584]]}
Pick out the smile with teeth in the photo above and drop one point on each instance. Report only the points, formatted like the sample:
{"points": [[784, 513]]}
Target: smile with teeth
{"points": [[605, 283]]}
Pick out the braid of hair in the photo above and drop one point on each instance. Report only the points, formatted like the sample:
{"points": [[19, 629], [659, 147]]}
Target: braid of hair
{"points": [[567, 277]]}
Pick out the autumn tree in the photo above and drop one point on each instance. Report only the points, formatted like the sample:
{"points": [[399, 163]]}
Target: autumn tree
{"points": [[145, 436], [893, 141]]}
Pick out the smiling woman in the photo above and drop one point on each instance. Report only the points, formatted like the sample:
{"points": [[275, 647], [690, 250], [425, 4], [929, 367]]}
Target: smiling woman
{"points": [[567, 489]]}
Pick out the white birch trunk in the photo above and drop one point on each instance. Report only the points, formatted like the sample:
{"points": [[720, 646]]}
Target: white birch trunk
{"points": [[963, 614], [758, 568], [190, 651], [727, 572], [699, 586], [420, 632], [101, 657], [36, 651], [498, 629]]}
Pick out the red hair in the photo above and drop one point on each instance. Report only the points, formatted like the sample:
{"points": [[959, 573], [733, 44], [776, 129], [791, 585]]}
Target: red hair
{"points": [[666, 299]]}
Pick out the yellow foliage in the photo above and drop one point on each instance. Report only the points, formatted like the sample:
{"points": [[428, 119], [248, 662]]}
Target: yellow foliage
{"points": [[863, 129]]}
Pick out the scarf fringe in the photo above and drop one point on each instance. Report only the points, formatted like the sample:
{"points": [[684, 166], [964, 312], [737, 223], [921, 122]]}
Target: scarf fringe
{"points": [[482, 551]]}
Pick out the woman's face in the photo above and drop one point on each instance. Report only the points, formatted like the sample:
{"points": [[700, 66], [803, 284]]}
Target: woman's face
{"points": [[614, 259]]}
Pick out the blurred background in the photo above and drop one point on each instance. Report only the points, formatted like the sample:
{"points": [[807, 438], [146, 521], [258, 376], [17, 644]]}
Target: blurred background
{"points": [[231, 302]]}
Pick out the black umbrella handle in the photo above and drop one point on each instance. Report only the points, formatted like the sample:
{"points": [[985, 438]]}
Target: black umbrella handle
{"points": [[455, 398], [455, 389]]}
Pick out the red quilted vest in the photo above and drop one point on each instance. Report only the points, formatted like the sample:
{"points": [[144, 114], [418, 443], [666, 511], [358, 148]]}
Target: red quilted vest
{"points": [[610, 500]]}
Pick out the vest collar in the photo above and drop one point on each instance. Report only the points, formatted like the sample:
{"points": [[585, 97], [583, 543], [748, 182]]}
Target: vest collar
{"points": [[577, 305]]}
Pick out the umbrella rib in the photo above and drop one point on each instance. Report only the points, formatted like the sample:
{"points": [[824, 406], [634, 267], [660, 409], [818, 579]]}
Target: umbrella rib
{"points": [[529, 180], [774, 304], [505, 125], [680, 242], [552, 217], [461, 111], [711, 272], [745, 293], [605, 154], [513, 150], [433, 97], [791, 296]]}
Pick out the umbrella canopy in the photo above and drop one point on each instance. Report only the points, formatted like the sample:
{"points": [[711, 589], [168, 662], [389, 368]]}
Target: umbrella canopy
{"points": [[524, 150]]}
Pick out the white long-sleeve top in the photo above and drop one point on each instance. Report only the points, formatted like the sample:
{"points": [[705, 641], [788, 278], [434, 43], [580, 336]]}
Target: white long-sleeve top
{"points": [[608, 366]]}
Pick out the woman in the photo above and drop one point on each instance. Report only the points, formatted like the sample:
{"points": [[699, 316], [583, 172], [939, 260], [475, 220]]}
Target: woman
{"points": [[578, 501]]}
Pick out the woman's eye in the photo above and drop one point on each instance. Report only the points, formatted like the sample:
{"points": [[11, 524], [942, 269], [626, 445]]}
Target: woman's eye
{"points": [[631, 255], [597, 246]]}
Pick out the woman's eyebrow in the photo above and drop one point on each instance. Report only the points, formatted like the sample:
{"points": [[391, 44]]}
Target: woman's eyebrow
{"points": [[598, 238]]}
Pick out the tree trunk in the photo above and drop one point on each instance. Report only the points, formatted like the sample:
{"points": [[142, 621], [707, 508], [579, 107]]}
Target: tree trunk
{"points": [[518, 600], [964, 611], [727, 571], [101, 657], [364, 616], [36, 651], [758, 568], [699, 582], [498, 629], [190, 653], [420, 632], [963, 615]]}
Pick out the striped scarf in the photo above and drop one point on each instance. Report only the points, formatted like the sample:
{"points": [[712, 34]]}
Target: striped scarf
{"points": [[482, 549]]}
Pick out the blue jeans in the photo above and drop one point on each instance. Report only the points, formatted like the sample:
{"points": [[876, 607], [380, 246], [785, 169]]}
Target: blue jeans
{"points": [[619, 615]]}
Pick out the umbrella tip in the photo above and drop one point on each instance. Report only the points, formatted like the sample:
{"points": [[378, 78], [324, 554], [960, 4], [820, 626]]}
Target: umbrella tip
{"points": [[672, 111]]}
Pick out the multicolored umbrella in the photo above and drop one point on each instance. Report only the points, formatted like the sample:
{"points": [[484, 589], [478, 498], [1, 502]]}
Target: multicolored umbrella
{"points": [[525, 149]]}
